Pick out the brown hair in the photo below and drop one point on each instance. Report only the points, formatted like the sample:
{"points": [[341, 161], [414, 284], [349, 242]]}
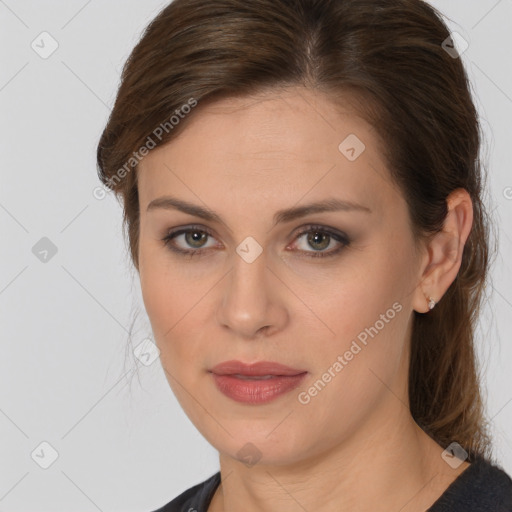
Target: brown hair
{"points": [[387, 56]]}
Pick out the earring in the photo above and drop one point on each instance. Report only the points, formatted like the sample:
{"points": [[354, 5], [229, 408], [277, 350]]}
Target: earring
{"points": [[431, 303]]}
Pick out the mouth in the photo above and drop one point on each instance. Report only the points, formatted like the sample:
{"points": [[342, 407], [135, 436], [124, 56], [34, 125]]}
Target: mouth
{"points": [[256, 383], [259, 377], [264, 369]]}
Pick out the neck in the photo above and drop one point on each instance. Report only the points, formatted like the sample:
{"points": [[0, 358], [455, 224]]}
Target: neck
{"points": [[389, 464]]}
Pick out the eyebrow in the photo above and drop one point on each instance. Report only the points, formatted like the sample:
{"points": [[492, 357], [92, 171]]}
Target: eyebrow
{"points": [[281, 216]]}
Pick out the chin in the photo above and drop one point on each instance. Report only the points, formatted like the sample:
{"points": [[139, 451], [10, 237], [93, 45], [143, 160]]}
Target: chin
{"points": [[266, 445]]}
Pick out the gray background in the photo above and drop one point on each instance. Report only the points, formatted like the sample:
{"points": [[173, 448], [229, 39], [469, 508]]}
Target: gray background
{"points": [[68, 376]]}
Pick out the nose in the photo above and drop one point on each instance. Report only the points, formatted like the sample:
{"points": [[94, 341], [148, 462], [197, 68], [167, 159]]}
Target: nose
{"points": [[253, 299]]}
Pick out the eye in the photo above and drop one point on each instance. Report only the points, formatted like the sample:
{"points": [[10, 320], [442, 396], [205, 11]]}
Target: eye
{"points": [[194, 235], [319, 238]]}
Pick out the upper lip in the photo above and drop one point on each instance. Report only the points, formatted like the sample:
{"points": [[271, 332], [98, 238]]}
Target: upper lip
{"points": [[259, 368]]}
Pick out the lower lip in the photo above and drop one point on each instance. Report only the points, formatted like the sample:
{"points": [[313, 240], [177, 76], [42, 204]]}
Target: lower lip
{"points": [[256, 391]]}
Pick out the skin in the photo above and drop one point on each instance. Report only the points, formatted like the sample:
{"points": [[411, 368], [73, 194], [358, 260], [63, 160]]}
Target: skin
{"points": [[355, 445]]}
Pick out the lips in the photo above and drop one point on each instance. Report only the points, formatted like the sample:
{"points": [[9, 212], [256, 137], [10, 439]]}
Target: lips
{"points": [[264, 369]]}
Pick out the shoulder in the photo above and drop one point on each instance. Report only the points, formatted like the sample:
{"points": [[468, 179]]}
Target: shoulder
{"points": [[483, 485], [194, 499]]}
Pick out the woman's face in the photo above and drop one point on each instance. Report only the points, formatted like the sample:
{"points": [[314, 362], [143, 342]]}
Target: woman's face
{"points": [[261, 291]]}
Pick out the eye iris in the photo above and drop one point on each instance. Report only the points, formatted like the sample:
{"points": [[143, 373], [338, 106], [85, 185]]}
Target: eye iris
{"points": [[193, 240], [314, 235]]}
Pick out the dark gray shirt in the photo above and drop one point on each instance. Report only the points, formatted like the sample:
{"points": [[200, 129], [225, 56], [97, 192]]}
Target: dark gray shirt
{"points": [[481, 487]]}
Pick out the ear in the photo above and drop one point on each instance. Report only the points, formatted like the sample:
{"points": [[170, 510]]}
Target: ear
{"points": [[443, 254]]}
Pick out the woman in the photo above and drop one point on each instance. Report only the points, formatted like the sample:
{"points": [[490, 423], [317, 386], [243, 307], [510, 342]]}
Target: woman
{"points": [[302, 193]]}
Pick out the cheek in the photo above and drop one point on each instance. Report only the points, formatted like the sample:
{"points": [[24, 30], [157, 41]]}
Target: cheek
{"points": [[366, 316], [362, 360], [158, 286], [169, 322], [359, 296], [173, 305]]}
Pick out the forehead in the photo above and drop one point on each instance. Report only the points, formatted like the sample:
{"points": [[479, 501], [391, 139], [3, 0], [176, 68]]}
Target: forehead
{"points": [[296, 121], [286, 142]]}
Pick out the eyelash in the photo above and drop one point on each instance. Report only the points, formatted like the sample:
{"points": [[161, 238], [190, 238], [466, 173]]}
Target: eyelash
{"points": [[341, 238]]}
